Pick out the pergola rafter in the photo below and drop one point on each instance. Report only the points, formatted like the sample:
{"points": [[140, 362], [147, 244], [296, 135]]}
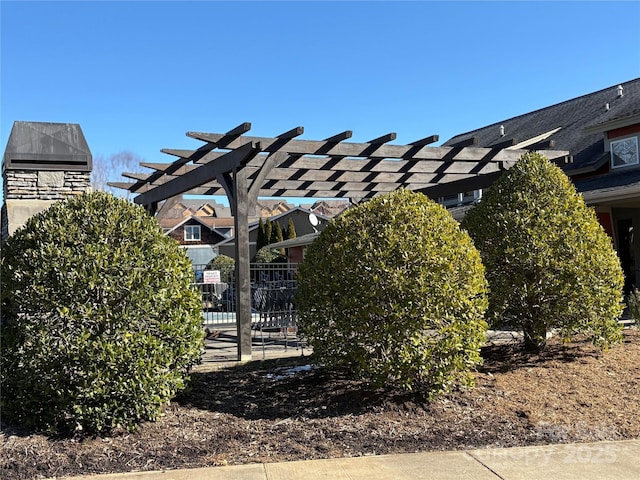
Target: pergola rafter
{"points": [[413, 166], [244, 167]]}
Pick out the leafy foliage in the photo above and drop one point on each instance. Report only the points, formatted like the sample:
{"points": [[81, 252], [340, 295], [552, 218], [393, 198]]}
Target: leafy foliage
{"points": [[100, 323], [268, 232], [549, 262], [291, 229], [633, 302], [272, 232], [394, 290], [266, 255], [261, 241], [226, 265], [276, 233]]}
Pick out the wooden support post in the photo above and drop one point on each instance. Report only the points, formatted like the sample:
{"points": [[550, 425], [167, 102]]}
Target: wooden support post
{"points": [[243, 280], [151, 208]]}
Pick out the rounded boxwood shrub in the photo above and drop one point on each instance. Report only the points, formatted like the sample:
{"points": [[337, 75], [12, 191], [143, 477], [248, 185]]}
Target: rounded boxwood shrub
{"points": [[100, 323], [225, 265], [266, 255], [549, 263], [395, 291]]}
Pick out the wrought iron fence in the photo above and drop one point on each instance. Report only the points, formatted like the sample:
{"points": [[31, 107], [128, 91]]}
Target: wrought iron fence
{"points": [[273, 287]]}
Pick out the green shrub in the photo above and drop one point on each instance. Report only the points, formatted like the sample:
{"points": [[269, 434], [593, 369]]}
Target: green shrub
{"points": [[100, 323], [291, 229], [226, 265], [266, 255], [395, 291], [633, 302], [549, 263]]}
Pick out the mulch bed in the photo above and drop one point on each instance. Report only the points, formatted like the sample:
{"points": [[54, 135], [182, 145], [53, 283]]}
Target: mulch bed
{"points": [[285, 409]]}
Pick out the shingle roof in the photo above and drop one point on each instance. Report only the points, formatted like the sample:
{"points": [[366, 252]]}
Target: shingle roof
{"points": [[327, 208], [572, 117], [611, 180], [195, 205], [300, 241], [171, 225]]}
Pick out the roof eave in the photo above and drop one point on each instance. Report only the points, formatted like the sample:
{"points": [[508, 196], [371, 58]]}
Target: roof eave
{"points": [[611, 194], [613, 124], [604, 158], [301, 241]]}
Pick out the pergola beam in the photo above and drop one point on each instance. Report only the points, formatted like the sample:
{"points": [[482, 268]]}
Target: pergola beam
{"points": [[303, 186], [197, 177], [468, 184], [426, 141], [339, 137], [307, 182], [389, 137], [310, 169], [477, 182], [381, 164], [458, 153], [467, 142], [136, 176]]}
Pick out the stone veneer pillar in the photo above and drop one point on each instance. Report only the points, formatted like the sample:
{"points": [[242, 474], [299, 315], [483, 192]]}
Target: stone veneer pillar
{"points": [[43, 163]]}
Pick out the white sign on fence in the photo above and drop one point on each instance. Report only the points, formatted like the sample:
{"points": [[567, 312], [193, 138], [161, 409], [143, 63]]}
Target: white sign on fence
{"points": [[211, 276]]}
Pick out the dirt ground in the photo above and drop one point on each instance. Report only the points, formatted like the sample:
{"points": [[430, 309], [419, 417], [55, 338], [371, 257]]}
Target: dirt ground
{"points": [[285, 409]]}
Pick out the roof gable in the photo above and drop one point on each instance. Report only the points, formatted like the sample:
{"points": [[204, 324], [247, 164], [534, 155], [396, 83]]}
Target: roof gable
{"points": [[189, 220], [180, 207], [288, 213], [294, 211], [328, 208]]}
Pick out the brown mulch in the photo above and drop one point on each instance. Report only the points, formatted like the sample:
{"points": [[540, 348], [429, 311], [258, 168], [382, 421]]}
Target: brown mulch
{"points": [[265, 412]]}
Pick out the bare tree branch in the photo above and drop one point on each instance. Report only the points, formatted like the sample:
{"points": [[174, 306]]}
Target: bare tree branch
{"points": [[110, 170]]}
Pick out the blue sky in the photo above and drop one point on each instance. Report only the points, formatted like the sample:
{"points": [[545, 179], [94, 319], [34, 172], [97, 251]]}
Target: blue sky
{"points": [[138, 75]]}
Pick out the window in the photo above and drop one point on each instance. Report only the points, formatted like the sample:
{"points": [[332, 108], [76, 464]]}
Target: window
{"points": [[191, 233], [624, 152]]}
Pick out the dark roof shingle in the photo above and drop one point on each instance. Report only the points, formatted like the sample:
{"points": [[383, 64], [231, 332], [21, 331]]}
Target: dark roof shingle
{"points": [[572, 117]]}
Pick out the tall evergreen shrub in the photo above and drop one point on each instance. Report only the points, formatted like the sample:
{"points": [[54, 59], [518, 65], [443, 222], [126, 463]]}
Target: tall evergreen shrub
{"points": [[291, 229], [549, 263], [395, 291], [261, 240], [100, 322]]}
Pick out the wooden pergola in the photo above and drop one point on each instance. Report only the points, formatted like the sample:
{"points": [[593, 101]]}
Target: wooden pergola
{"points": [[244, 168]]}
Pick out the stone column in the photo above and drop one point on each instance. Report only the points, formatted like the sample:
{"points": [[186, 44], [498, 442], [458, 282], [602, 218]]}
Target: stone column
{"points": [[42, 163]]}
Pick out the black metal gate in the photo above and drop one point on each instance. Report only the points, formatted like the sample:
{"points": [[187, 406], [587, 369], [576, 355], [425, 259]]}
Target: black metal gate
{"points": [[273, 287]]}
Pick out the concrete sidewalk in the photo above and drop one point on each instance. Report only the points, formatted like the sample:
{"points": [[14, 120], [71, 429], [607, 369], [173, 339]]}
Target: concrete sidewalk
{"points": [[588, 461]]}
